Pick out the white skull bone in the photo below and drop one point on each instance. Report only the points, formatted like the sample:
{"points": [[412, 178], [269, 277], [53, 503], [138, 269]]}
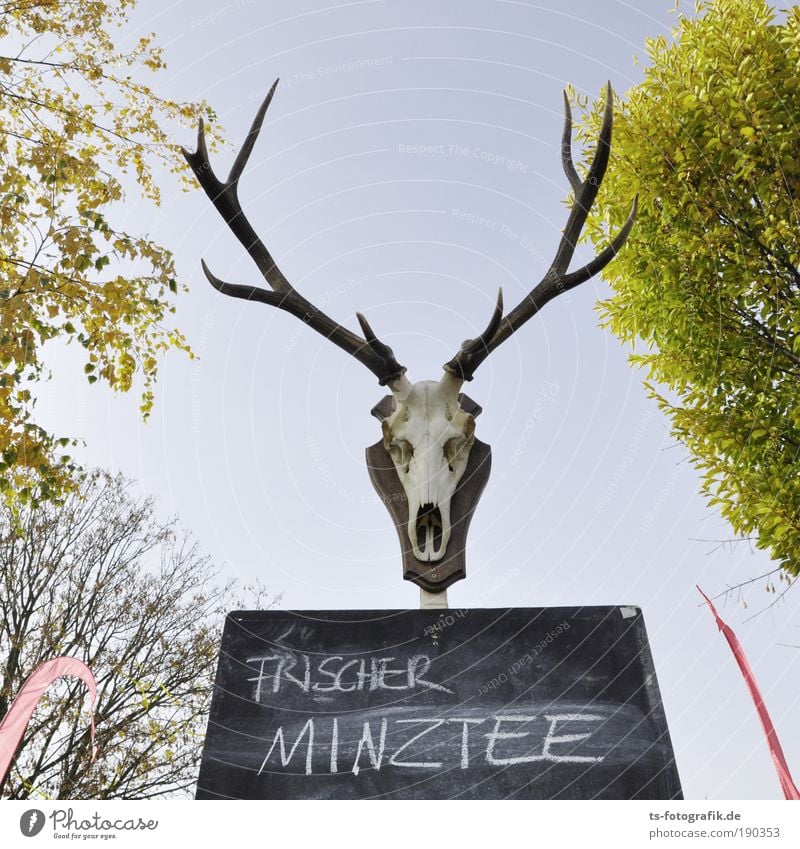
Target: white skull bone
{"points": [[429, 438]]}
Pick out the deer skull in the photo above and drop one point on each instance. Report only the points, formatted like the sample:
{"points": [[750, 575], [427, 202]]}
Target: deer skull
{"points": [[429, 438]]}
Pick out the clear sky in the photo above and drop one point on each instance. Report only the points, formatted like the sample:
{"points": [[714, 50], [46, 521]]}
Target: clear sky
{"points": [[259, 444]]}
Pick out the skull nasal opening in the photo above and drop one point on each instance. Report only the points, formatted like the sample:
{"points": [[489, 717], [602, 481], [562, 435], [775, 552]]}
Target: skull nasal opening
{"points": [[429, 528]]}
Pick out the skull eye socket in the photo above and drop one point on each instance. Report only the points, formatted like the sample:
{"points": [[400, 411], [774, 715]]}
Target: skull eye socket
{"points": [[458, 447], [401, 451], [452, 448]]}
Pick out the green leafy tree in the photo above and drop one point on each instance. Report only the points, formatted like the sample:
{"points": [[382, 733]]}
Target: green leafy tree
{"points": [[101, 578], [707, 287], [78, 131]]}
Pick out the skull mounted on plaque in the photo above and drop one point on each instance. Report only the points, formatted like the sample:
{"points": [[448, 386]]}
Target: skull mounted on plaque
{"points": [[428, 468]]}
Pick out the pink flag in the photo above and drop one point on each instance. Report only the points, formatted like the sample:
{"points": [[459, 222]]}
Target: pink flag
{"points": [[16, 720], [788, 786]]}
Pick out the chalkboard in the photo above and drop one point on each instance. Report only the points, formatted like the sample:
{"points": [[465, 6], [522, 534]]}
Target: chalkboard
{"points": [[526, 703]]}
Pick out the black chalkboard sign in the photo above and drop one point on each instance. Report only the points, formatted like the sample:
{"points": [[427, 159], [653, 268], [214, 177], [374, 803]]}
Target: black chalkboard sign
{"points": [[551, 703]]}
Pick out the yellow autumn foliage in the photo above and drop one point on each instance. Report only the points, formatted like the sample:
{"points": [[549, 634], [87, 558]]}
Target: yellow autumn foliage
{"points": [[79, 133]]}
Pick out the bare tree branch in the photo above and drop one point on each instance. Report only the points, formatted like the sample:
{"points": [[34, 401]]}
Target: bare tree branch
{"points": [[100, 578]]}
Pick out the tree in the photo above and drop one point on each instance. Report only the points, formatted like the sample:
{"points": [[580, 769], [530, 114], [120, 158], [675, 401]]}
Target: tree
{"points": [[77, 132], [709, 279], [101, 579]]}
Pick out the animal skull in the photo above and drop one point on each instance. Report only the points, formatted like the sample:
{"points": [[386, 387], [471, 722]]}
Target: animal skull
{"points": [[429, 438]]}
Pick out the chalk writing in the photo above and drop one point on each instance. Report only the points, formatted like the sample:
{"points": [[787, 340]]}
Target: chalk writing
{"points": [[383, 741], [278, 739], [334, 674]]}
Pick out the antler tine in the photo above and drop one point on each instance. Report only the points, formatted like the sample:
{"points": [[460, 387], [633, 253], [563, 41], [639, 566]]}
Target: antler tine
{"points": [[250, 140], [602, 153], [236, 290], [225, 197], [586, 191], [381, 349], [369, 333], [491, 328], [202, 150], [566, 147], [608, 253], [469, 347], [557, 280], [372, 353]]}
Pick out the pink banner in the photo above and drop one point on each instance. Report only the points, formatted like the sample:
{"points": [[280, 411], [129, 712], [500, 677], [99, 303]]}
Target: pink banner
{"points": [[16, 720], [776, 752]]}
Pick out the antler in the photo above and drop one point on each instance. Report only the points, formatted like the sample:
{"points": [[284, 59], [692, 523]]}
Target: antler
{"points": [[374, 354], [557, 279]]}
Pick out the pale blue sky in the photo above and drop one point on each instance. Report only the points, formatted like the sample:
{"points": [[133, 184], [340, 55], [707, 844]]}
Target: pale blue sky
{"points": [[259, 444]]}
